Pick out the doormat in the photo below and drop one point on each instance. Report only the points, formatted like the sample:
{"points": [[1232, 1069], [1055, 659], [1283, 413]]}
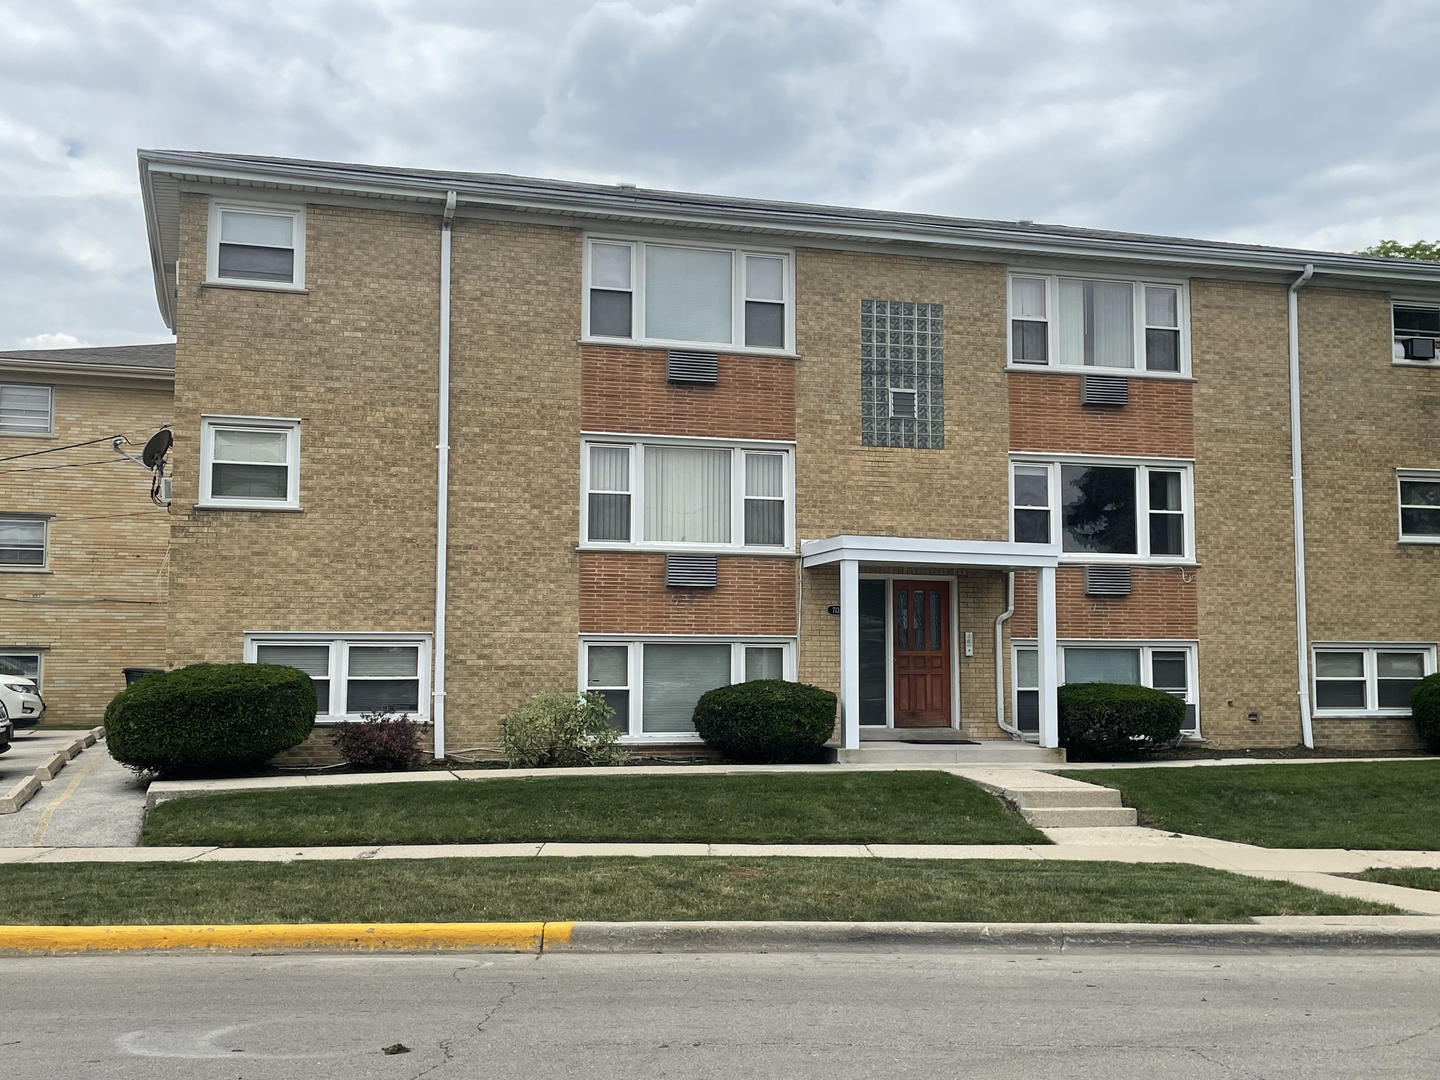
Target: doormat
{"points": [[937, 742]]}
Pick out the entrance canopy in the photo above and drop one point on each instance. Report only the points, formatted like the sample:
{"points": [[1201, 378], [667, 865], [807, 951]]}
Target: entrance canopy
{"points": [[848, 552]]}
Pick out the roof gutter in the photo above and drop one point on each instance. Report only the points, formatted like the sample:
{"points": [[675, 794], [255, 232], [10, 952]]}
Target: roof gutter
{"points": [[152, 228], [442, 483], [106, 371], [1297, 498]]}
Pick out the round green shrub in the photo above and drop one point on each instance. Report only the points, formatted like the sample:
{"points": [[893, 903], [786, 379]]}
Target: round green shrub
{"points": [[1425, 708], [209, 718], [768, 721], [1113, 720], [560, 729]]}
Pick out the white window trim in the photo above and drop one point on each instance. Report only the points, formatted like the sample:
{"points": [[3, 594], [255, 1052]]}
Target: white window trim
{"points": [[1368, 649], [1410, 301], [44, 567], [208, 425], [1142, 466], [638, 337], [339, 644], [1426, 476], [212, 245], [1147, 647], [738, 448], [634, 670], [32, 433], [1052, 279]]}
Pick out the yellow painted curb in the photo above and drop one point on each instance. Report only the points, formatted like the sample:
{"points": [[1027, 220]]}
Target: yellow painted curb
{"points": [[489, 937]]}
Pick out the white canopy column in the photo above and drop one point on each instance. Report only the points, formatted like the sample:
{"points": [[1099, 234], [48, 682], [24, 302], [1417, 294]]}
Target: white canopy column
{"points": [[1049, 656], [850, 653]]}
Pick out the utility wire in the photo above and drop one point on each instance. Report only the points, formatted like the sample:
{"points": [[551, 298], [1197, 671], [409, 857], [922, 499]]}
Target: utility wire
{"points": [[57, 449], [75, 600], [72, 465]]}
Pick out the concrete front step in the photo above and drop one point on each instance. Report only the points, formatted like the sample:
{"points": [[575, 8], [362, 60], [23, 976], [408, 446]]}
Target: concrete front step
{"points": [[981, 753], [1063, 798], [1078, 817]]}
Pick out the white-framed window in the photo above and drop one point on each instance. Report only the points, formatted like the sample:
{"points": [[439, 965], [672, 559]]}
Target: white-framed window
{"points": [[24, 542], [1419, 505], [1368, 680], [687, 494], [1103, 509], [249, 463], [1068, 323], [27, 663], [1416, 331], [689, 294], [1161, 665], [256, 244], [26, 409], [354, 673], [653, 683]]}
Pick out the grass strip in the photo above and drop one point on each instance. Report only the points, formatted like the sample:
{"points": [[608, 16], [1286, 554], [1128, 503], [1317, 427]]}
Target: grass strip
{"points": [[1363, 804], [673, 888], [1410, 878], [796, 808]]}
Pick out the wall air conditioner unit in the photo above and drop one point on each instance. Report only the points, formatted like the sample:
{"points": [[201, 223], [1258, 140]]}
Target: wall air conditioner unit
{"points": [[1419, 348]]}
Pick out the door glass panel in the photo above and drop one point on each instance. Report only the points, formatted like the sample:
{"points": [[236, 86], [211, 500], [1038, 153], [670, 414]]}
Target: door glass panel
{"points": [[935, 638], [918, 619], [872, 652], [902, 620]]}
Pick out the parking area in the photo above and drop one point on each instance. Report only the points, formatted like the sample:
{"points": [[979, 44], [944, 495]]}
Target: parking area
{"points": [[93, 802]]}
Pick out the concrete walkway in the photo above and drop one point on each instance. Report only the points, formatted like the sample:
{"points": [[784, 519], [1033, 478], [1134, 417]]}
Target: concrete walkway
{"points": [[92, 801]]}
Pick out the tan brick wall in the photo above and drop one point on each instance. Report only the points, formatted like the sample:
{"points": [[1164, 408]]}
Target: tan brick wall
{"points": [[1243, 533], [1046, 415], [623, 593], [1161, 604], [100, 604], [625, 390], [1366, 733]]}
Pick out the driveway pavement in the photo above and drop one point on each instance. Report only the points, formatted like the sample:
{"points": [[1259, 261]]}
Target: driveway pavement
{"points": [[93, 802]]}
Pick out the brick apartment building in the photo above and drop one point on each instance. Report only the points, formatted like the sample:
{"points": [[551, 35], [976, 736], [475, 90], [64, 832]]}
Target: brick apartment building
{"points": [[82, 547], [445, 440]]}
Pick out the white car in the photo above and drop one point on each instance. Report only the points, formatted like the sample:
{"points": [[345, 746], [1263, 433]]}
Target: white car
{"points": [[21, 699]]}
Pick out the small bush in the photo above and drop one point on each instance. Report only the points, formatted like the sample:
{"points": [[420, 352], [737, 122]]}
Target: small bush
{"points": [[1425, 708], [768, 721], [1112, 720], [210, 718], [380, 740], [560, 730]]}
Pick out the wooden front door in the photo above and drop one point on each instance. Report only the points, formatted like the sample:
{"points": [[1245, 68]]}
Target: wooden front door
{"points": [[921, 618]]}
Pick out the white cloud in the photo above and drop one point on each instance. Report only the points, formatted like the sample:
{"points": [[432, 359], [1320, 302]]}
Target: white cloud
{"points": [[52, 341]]}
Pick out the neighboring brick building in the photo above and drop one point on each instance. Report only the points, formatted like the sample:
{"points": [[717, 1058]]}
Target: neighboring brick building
{"points": [[936, 465], [82, 546]]}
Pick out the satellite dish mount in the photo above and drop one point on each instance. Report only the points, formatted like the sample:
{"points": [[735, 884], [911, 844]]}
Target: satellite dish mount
{"points": [[152, 459]]}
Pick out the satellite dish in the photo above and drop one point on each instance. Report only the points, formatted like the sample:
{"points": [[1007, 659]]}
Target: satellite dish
{"points": [[156, 449]]}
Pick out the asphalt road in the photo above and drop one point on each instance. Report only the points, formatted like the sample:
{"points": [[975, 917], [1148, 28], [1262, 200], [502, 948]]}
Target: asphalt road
{"points": [[994, 1015]]}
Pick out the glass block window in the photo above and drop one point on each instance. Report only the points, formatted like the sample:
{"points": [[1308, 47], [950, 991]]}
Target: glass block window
{"points": [[902, 368]]}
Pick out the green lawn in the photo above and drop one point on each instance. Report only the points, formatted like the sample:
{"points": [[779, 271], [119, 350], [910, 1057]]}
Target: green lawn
{"points": [[533, 889], [880, 807], [1410, 878], [1363, 804]]}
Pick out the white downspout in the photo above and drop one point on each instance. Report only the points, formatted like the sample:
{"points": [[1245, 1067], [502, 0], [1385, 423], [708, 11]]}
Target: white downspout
{"points": [[1297, 499], [1000, 621], [442, 482]]}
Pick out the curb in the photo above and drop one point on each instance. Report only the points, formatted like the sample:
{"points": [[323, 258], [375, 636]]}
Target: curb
{"points": [[716, 937], [19, 794]]}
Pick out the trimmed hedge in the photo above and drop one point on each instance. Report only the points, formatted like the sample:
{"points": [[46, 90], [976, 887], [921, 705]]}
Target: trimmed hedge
{"points": [[1113, 720], [209, 718], [769, 721], [1425, 708]]}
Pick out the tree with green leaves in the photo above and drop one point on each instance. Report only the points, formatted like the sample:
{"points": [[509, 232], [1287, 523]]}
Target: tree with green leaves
{"points": [[1427, 250]]}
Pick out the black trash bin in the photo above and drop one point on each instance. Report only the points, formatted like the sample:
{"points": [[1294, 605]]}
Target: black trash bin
{"points": [[135, 674]]}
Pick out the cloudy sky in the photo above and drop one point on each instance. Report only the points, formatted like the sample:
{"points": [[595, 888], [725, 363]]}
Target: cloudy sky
{"points": [[1312, 123]]}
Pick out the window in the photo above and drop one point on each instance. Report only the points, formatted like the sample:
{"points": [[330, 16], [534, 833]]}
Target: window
{"points": [[1420, 505], [902, 404], [257, 245], [369, 673], [1079, 323], [22, 543], [902, 374], [25, 410], [1161, 666], [688, 295], [1416, 328], [653, 684], [1355, 680], [680, 494], [250, 463], [1118, 512], [22, 662]]}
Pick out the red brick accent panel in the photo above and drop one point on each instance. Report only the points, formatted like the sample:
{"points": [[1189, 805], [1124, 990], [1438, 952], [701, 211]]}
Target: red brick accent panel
{"points": [[1161, 604], [624, 593], [1046, 414], [624, 389]]}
